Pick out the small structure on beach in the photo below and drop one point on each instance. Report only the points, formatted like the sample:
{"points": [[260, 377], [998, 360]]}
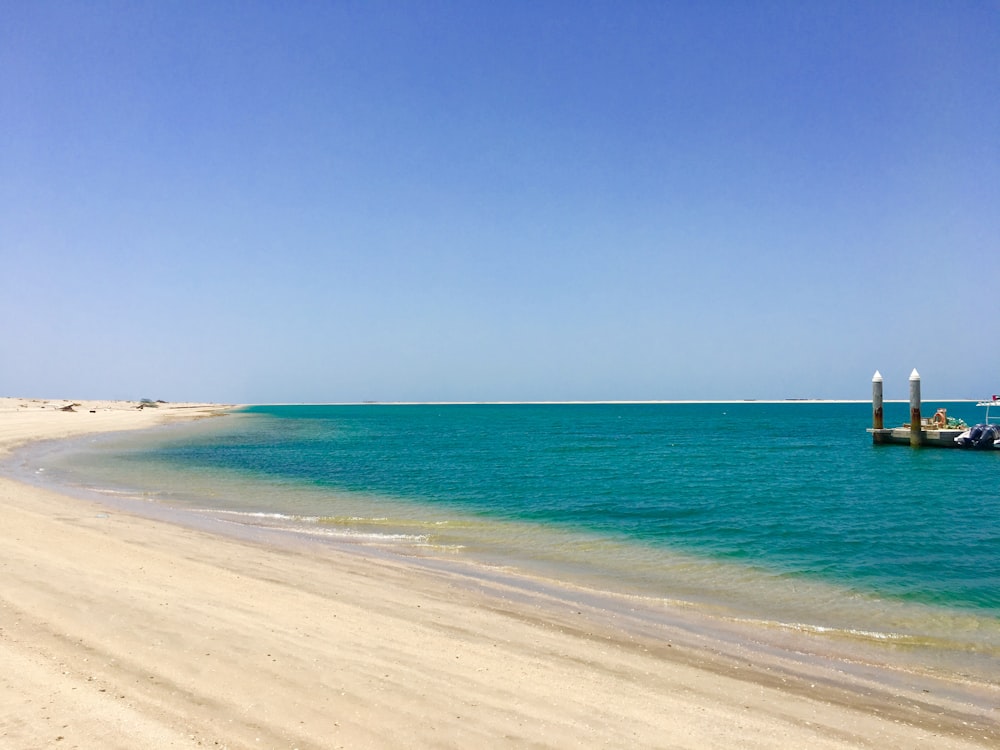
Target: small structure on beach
{"points": [[938, 431]]}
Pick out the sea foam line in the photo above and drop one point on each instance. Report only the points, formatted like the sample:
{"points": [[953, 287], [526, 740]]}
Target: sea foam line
{"points": [[340, 533]]}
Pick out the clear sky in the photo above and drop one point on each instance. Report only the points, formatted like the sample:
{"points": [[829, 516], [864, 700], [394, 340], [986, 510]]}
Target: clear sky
{"points": [[345, 201]]}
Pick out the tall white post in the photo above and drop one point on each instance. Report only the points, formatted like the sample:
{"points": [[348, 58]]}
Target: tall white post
{"points": [[877, 420], [916, 434]]}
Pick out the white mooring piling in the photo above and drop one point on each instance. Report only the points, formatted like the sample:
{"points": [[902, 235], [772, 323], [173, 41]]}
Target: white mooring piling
{"points": [[916, 434], [877, 420]]}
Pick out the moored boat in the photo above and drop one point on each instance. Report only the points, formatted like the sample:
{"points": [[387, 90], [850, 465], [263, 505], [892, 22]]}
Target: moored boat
{"points": [[985, 435]]}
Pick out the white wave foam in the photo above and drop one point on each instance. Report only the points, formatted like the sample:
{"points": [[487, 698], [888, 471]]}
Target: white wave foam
{"points": [[349, 534]]}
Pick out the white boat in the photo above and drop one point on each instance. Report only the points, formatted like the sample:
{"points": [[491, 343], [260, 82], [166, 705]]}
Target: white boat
{"points": [[986, 434]]}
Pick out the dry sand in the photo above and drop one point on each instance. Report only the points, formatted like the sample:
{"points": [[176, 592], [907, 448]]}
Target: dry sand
{"points": [[117, 631]]}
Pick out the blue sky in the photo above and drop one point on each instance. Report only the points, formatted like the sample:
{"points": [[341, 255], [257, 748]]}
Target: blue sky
{"points": [[248, 202]]}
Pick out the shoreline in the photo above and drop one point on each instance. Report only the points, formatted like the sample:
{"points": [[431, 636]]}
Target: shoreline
{"points": [[129, 631], [722, 402]]}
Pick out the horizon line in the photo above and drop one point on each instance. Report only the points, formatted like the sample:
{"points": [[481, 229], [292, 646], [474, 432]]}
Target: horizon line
{"points": [[606, 402]]}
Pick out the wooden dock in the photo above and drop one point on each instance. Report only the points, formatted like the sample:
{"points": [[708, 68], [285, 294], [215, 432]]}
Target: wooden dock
{"points": [[935, 432], [904, 436]]}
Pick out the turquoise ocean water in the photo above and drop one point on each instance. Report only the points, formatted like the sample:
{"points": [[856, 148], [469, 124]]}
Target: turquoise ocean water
{"points": [[776, 513]]}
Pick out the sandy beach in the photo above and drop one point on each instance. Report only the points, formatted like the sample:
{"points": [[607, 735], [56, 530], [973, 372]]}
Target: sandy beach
{"points": [[119, 631]]}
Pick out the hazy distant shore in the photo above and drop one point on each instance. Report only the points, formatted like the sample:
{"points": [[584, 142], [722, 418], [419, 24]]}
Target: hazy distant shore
{"points": [[613, 402], [122, 631]]}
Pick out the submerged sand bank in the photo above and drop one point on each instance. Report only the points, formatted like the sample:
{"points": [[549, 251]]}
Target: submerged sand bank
{"points": [[121, 631]]}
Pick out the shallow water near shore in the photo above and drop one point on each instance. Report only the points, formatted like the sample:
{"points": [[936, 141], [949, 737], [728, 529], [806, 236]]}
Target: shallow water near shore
{"points": [[783, 515]]}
